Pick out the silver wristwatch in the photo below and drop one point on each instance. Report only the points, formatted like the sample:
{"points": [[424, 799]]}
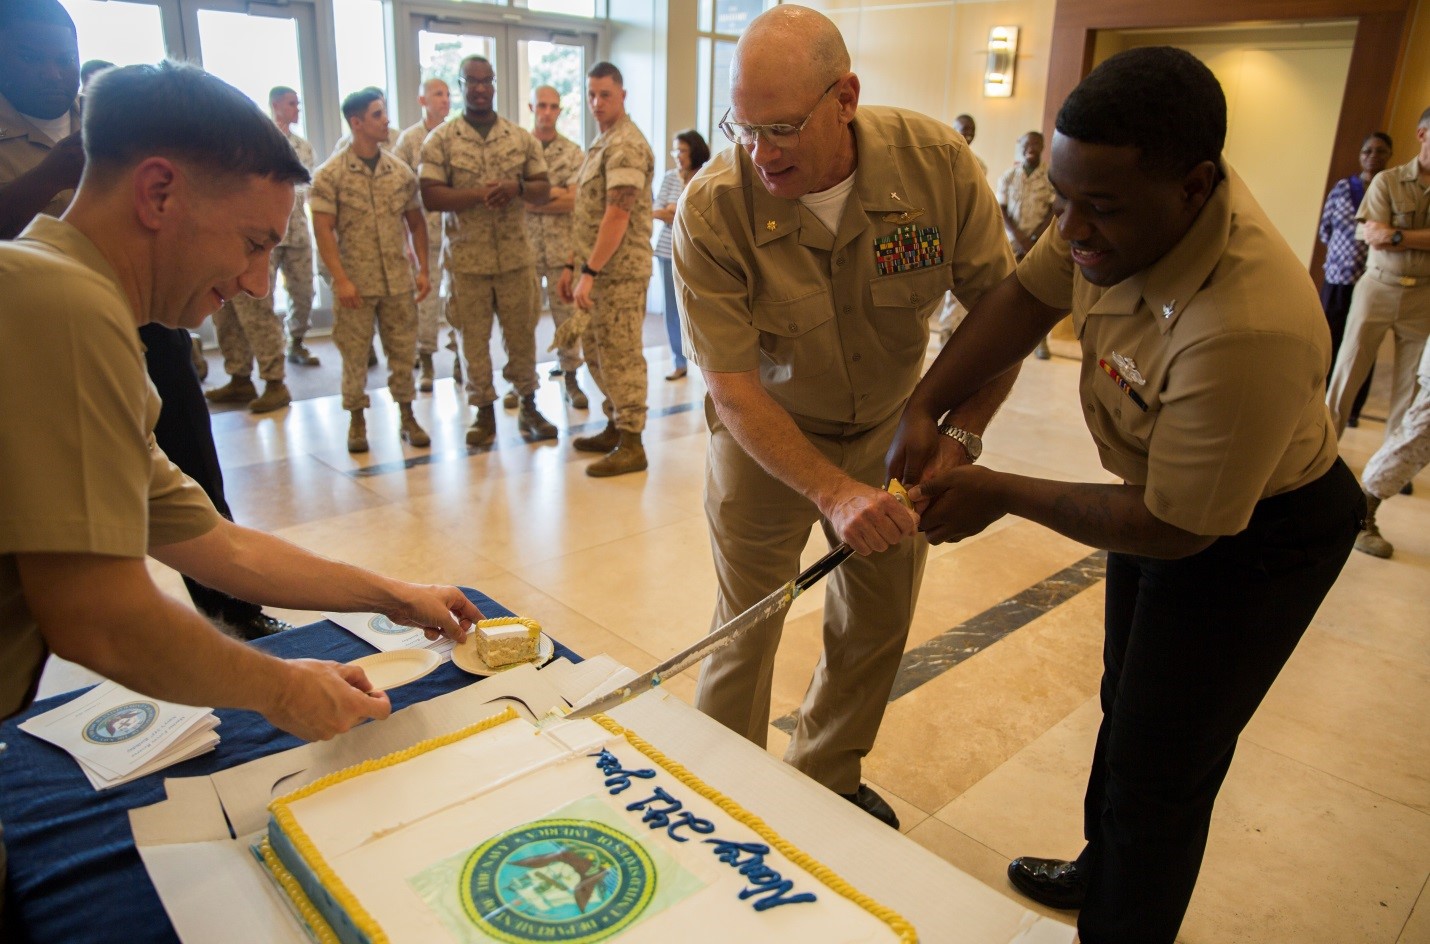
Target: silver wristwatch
{"points": [[972, 442]]}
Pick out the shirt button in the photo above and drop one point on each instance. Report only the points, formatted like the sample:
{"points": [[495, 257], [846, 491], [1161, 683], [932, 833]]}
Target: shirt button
{"points": [[839, 259], [793, 326], [915, 298], [848, 309], [1089, 406], [856, 357]]}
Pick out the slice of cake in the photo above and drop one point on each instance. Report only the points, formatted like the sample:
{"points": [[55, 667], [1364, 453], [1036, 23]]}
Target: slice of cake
{"points": [[507, 640], [578, 831]]}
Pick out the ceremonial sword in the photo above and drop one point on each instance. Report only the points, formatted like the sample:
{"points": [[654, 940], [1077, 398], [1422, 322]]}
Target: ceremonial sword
{"points": [[772, 605]]}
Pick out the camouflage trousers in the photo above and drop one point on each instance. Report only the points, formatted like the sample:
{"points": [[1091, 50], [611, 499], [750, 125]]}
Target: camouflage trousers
{"points": [[248, 328], [1406, 449], [432, 309], [614, 352], [570, 356], [511, 296], [396, 320], [296, 264]]}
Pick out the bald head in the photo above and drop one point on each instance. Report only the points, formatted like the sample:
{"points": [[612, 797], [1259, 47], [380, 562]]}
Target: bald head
{"points": [[763, 52]]}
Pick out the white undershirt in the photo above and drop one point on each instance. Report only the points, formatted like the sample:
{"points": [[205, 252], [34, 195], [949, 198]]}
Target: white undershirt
{"points": [[56, 128], [828, 205]]}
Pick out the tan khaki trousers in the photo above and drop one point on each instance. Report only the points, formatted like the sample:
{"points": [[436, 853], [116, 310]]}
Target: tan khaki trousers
{"points": [[758, 527], [1375, 309]]}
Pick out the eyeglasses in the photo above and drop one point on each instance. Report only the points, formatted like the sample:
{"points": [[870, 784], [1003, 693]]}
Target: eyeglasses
{"points": [[781, 136], [480, 83]]}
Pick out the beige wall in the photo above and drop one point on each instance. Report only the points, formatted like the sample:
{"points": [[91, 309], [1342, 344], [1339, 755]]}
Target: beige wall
{"points": [[1413, 95], [929, 56]]}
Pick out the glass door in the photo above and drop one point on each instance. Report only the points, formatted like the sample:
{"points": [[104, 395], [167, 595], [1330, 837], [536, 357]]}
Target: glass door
{"points": [[443, 42], [544, 57], [123, 33]]}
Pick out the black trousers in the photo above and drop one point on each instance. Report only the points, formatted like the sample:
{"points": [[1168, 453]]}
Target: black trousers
{"points": [[1336, 303], [1192, 646], [184, 433]]}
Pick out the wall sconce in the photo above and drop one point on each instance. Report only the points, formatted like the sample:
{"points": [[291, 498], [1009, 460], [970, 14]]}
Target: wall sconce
{"points": [[1002, 62]]}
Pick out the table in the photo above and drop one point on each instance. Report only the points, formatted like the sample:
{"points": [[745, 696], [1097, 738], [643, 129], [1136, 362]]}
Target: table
{"points": [[73, 868]]}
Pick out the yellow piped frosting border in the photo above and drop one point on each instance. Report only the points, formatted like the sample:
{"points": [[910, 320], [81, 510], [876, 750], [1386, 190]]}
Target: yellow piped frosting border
{"points": [[364, 921], [896, 922], [321, 870]]}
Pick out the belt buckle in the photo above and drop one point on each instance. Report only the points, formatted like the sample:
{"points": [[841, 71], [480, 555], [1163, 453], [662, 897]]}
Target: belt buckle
{"points": [[1406, 281]]}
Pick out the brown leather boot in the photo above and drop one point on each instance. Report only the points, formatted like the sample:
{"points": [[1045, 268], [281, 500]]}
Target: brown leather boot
{"points": [[237, 390], [604, 441], [484, 427], [411, 432], [573, 392], [534, 427], [357, 432], [628, 456], [275, 397]]}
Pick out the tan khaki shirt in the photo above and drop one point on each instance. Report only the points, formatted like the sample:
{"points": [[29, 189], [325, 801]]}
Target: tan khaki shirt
{"points": [[619, 157], [1395, 197], [1226, 336], [297, 233], [550, 233], [481, 240], [409, 151], [23, 146], [837, 324], [80, 470], [1028, 197], [369, 206]]}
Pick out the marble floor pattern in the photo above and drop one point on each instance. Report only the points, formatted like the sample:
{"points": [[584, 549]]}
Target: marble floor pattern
{"points": [[1322, 832]]}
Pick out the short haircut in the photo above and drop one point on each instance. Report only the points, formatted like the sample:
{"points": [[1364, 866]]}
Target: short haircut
{"points": [[1383, 136], [462, 66], [1424, 118], [1160, 100], [277, 92], [1030, 135], [15, 12], [357, 104], [179, 111], [91, 66], [699, 150], [606, 70]]}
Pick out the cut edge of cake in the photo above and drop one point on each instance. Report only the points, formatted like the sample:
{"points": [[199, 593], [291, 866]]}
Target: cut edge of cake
{"points": [[507, 645]]}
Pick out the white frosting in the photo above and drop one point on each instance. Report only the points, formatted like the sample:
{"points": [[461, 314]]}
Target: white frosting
{"points": [[378, 829], [502, 633]]}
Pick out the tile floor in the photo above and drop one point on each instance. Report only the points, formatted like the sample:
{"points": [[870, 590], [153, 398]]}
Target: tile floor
{"points": [[1323, 829]]}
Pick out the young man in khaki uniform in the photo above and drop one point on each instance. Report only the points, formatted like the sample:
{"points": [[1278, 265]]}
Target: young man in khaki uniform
{"points": [[366, 214], [1394, 293], [477, 171], [808, 260], [436, 104], [155, 237], [1204, 356], [610, 246], [548, 226], [41, 156], [1026, 199]]}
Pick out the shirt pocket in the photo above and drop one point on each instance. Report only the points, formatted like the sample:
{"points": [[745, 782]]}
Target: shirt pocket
{"points": [[902, 305], [467, 170], [1129, 425], [798, 336]]}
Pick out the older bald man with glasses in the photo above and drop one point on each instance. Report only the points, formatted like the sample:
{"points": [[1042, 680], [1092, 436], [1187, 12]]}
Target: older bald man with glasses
{"points": [[808, 259]]}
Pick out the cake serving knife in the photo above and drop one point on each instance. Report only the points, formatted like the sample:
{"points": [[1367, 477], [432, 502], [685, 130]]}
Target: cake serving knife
{"points": [[718, 639]]}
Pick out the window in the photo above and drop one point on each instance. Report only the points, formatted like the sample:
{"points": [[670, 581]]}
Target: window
{"points": [[360, 45], [719, 25], [122, 33]]}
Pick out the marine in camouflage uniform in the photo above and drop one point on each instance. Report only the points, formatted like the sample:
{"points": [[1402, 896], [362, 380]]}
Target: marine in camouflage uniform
{"points": [[247, 330], [430, 310], [368, 213], [549, 227], [478, 179], [618, 171], [294, 258]]}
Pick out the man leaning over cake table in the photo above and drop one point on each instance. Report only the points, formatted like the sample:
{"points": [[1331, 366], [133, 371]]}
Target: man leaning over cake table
{"points": [[158, 232], [807, 269]]}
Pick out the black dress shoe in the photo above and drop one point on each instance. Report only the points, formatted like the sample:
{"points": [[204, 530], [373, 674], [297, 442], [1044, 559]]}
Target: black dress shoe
{"points": [[873, 804], [256, 626], [1056, 883], [1409, 489]]}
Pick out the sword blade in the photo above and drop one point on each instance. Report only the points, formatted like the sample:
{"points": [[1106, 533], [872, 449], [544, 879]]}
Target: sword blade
{"points": [[773, 604]]}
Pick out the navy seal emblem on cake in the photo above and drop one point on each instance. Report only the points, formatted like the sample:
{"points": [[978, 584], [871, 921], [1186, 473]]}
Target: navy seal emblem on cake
{"points": [[121, 723], [570, 880], [381, 624]]}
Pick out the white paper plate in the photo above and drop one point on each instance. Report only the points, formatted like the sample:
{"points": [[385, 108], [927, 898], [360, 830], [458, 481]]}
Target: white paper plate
{"points": [[387, 670], [466, 657]]}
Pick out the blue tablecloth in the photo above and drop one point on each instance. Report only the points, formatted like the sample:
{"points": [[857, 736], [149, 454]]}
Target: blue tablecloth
{"points": [[74, 874]]}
